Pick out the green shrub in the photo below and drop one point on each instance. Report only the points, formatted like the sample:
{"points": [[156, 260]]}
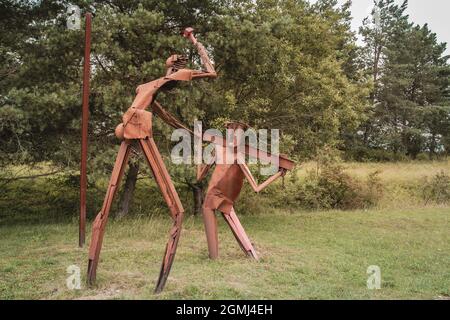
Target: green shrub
{"points": [[363, 154], [327, 188], [332, 188], [437, 190], [423, 157], [37, 200]]}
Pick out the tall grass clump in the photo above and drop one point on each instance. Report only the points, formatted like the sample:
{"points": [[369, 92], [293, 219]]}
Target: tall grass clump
{"points": [[437, 189], [332, 188]]}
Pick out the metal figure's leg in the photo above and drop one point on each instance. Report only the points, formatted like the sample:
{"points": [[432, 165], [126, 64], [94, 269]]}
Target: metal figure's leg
{"points": [[99, 225], [239, 234], [209, 218], [170, 195]]}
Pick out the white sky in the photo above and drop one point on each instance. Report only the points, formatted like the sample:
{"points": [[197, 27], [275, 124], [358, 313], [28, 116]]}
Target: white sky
{"points": [[434, 12]]}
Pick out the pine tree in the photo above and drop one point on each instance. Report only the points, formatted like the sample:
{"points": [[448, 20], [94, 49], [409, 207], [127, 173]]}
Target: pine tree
{"points": [[410, 75]]}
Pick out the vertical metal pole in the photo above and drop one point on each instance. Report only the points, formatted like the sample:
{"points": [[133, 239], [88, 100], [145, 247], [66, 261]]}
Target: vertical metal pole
{"points": [[84, 130]]}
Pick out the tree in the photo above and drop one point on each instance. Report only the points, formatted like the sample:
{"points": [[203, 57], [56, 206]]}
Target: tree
{"points": [[282, 64], [410, 75], [40, 111]]}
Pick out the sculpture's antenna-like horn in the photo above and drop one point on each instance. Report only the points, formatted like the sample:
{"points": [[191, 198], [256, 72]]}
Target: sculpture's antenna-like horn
{"points": [[180, 63]]}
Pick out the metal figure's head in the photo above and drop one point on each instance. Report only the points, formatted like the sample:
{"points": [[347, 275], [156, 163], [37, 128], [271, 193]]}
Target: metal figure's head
{"points": [[234, 125], [236, 129], [174, 63]]}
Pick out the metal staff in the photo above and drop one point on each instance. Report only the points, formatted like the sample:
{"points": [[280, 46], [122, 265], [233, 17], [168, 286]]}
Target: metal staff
{"points": [[84, 130]]}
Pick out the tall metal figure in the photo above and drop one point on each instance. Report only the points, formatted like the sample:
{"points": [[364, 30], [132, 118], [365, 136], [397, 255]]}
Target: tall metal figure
{"points": [[137, 127], [226, 184]]}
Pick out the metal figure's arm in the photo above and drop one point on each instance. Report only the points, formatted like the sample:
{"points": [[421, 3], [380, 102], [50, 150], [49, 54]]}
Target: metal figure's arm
{"points": [[168, 118], [202, 169], [284, 162], [258, 188], [210, 72], [206, 61]]}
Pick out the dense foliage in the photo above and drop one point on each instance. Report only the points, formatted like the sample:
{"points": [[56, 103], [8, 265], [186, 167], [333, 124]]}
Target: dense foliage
{"points": [[285, 64], [410, 98], [281, 64]]}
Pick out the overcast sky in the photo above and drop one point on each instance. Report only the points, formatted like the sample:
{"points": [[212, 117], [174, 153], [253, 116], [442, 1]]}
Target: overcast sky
{"points": [[434, 12]]}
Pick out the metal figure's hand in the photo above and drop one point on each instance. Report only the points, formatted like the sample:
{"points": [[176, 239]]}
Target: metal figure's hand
{"points": [[189, 34], [208, 71]]}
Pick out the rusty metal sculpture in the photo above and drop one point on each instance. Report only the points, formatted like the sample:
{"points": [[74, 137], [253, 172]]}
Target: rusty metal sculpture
{"points": [[137, 127], [226, 184]]}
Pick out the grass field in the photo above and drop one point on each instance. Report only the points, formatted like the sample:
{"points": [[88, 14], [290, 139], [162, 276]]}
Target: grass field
{"points": [[399, 172], [321, 255], [304, 255]]}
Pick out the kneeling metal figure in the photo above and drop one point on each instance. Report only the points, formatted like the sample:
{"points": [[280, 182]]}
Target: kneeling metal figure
{"points": [[137, 127]]}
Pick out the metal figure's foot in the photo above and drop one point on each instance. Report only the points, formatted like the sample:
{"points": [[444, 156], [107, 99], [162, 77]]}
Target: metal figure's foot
{"points": [[91, 273], [169, 255], [98, 231], [170, 195], [210, 221], [239, 234]]}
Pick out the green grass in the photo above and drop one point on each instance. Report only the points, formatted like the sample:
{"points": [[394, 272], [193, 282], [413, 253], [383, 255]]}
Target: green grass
{"points": [[322, 255], [304, 255]]}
